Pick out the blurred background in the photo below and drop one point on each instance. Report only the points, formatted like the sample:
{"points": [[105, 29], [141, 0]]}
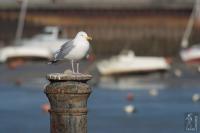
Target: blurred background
{"points": [[144, 60]]}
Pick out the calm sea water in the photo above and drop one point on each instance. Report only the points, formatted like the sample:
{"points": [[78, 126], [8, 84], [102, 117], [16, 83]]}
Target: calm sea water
{"points": [[20, 108]]}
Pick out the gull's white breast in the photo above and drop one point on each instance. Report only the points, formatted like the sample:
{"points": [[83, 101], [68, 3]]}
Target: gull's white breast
{"points": [[79, 51]]}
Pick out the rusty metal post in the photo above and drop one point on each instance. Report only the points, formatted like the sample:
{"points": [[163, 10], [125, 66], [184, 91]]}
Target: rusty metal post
{"points": [[68, 94]]}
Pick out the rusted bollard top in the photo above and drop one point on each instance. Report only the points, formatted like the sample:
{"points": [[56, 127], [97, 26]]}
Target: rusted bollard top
{"points": [[68, 83], [68, 77]]}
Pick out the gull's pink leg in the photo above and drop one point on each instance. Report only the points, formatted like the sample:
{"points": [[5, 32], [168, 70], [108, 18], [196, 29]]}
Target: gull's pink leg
{"points": [[77, 65], [72, 62]]}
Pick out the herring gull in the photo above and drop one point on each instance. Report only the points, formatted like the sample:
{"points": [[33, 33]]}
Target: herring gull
{"points": [[74, 50]]}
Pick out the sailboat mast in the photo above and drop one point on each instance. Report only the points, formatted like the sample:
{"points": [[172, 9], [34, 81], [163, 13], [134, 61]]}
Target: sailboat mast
{"points": [[195, 13], [197, 10], [21, 20]]}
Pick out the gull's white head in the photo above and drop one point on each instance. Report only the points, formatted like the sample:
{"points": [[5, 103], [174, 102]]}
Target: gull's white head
{"points": [[83, 35]]}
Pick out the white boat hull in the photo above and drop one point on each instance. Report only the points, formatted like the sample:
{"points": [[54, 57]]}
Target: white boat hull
{"points": [[132, 64], [191, 55], [24, 52]]}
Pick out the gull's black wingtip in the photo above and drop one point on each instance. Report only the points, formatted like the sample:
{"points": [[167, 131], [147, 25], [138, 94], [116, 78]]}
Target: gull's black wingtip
{"points": [[52, 62]]}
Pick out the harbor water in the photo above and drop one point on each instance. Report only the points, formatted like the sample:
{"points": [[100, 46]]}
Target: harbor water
{"points": [[21, 100]]}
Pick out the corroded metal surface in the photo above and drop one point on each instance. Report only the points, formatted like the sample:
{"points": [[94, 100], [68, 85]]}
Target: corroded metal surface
{"points": [[68, 77], [68, 94]]}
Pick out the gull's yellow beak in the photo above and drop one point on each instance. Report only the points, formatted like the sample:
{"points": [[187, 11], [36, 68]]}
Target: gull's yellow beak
{"points": [[89, 38]]}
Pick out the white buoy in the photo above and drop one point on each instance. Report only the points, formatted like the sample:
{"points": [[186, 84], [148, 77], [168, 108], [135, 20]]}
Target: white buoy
{"points": [[178, 72], [129, 109], [195, 97], [153, 92]]}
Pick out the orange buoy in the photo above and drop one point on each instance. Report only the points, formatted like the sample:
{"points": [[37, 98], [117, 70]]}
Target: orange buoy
{"points": [[45, 107], [13, 64]]}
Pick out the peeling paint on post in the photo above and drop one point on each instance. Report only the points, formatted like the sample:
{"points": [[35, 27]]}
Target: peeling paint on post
{"points": [[68, 94]]}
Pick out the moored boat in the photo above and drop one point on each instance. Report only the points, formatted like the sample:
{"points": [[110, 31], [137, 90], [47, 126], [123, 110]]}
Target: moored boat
{"points": [[127, 63], [41, 46]]}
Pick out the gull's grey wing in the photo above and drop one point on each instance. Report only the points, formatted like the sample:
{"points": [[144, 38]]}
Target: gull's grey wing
{"points": [[64, 50]]}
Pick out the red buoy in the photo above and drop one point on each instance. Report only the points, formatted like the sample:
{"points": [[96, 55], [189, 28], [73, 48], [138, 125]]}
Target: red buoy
{"points": [[130, 96]]}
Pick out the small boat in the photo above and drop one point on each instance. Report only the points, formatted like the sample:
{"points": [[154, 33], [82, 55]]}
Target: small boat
{"points": [[191, 55], [127, 63], [41, 46]]}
